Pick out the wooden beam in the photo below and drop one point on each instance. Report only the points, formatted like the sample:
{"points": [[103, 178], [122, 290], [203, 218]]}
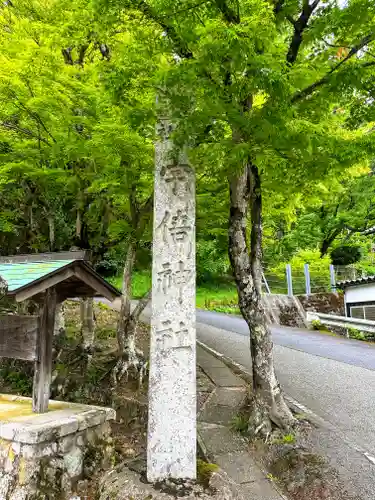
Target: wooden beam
{"points": [[41, 286], [43, 365], [45, 257], [97, 286]]}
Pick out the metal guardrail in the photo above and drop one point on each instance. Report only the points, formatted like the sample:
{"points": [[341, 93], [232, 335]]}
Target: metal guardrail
{"points": [[364, 325]]}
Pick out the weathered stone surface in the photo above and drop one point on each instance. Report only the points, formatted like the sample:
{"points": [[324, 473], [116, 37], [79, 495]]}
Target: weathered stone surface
{"points": [[73, 462], [49, 458], [91, 419], [68, 442], [123, 484], [5, 482], [19, 494], [327, 303], [283, 310], [28, 471], [221, 439], [171, 450], [39, 450], [239, 466]]}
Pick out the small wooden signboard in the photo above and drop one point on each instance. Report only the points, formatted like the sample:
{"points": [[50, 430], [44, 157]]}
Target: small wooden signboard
{"points": [[18, 337]]}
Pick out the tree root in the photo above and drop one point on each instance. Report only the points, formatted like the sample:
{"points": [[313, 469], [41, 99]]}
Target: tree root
{"points": [[131, 363], [264, 416]]}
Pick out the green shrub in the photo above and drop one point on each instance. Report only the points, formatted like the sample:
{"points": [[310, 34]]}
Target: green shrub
{"points": [[105, 333], [356, 334], [18, 382], [345, 255], [317, 325]]}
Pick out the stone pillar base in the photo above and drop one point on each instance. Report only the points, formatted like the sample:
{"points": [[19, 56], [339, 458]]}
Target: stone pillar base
{"points": [[47, 455]]}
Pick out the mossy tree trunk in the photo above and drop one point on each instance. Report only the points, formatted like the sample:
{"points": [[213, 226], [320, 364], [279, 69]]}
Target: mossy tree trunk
{"points": [[268, 404]]}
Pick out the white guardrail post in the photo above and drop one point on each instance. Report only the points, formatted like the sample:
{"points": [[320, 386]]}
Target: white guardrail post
{"points": [[307, 279], [289, 281], [364, 325]]}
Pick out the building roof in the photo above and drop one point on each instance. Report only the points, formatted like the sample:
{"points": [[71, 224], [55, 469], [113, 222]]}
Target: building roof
{"points": [[355, 282], [29, 276], [21, 274]]}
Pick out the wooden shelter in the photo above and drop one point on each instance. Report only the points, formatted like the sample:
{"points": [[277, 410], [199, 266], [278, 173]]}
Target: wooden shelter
{"points": [[48, 279]]}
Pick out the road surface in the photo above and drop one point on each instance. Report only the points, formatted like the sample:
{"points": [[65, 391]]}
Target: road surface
{"points": [[332, 376], [327, 346]]}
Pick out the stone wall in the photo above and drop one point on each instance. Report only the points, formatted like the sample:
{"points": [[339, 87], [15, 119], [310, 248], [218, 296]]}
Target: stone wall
{"points": [[327, 303], [52, 459], [284, 310]]}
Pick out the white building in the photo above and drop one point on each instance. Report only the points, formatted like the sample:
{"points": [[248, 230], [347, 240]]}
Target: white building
{"points": [[359, 297]]}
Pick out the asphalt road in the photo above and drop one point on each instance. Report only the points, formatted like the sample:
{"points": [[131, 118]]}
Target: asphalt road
{"points": [[327, 346], [332, 376]]}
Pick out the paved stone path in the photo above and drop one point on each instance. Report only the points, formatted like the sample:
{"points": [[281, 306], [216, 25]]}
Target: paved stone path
{"points": [[219, 443]]}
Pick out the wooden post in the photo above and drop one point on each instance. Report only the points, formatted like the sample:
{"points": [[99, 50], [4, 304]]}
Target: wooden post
{"points": [[43, 364]]}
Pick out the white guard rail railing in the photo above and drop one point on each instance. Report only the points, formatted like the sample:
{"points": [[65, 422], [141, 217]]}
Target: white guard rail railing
{"points": [[364, 325]]}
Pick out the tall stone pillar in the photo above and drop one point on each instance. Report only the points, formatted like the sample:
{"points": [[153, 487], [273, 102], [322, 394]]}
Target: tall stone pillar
{"points": [[171, 445]]}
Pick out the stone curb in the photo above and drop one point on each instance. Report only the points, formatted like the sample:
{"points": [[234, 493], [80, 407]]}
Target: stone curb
{"points": [[237, 368]]}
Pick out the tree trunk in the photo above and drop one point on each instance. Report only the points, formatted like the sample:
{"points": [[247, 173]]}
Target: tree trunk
{"points": [[87, 323], [327, 242], [122, 327], [130, 358], [267, 398], [51, 227], [59, 328]]}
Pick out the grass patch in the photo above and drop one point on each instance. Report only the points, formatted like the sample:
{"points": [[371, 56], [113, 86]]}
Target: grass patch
{"points": [[219, 297], [285, 439], [141, 283], [240, 423]]}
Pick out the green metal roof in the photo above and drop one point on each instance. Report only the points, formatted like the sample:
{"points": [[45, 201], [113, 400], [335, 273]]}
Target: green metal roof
{"points": [[20, 274]]}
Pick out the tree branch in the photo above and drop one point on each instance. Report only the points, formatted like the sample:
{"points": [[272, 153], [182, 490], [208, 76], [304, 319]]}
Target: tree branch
{"points": [[179, 45], [353, 51], [24, 131], [143, 216], [278, 6], [229, 14], [299, 27], [141, 305], [256, 226], [33, 115]]}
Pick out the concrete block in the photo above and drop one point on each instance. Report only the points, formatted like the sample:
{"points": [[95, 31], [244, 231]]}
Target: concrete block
{"points": [[219, 439], [260, 490], [91, 418], [222, 376], [239, 466]]}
